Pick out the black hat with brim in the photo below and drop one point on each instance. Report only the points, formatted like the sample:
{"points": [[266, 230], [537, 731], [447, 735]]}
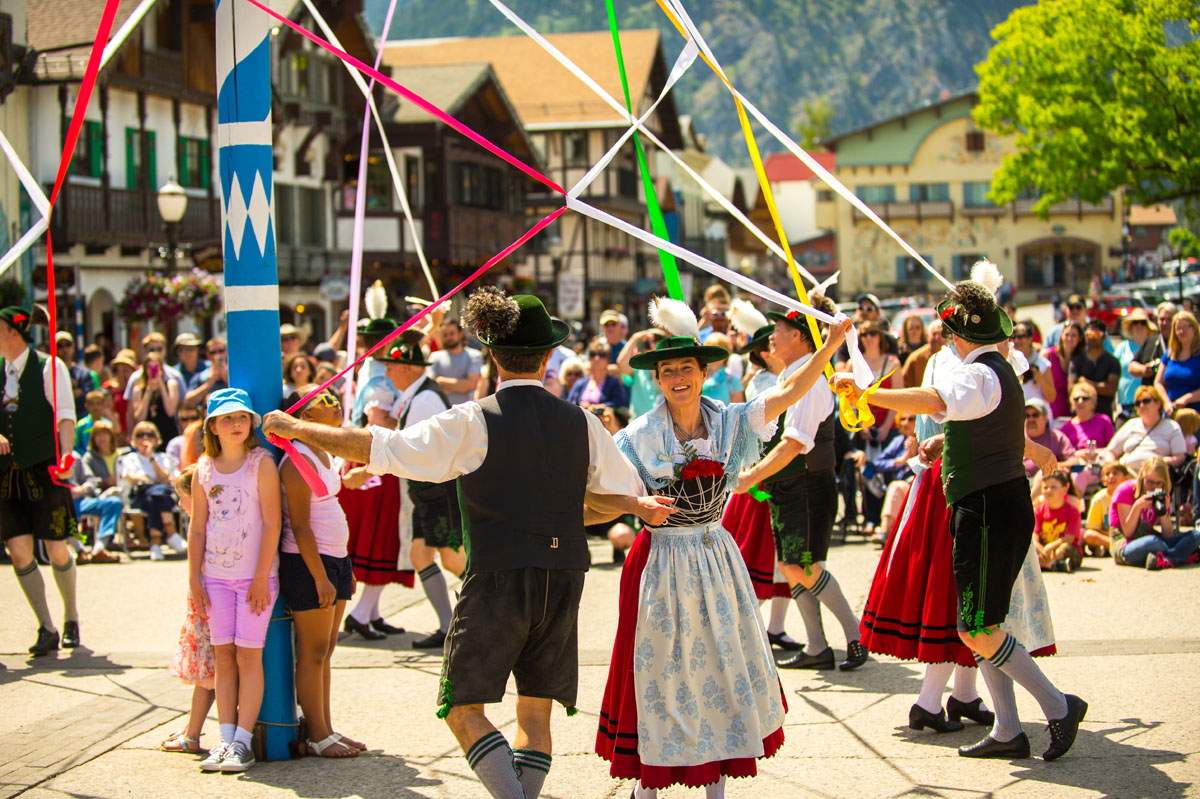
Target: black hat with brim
{"points": [[18, 319], [989, 327], [402, 352], [760, 341], [377, 327], [793, 318], [536, 330], [678, 347]]}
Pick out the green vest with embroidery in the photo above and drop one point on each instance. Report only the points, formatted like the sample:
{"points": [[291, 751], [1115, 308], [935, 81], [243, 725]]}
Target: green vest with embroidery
{"points": [[29, 423], [987, 451], [415, 486]]}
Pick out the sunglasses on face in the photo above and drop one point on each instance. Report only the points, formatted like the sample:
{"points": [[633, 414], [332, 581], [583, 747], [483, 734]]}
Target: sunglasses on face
{"points": [[1144, 401], [289, 337], [144, 435], [867, 308], [1075, 307], [326, 399], [1020, 336], [156, 349], [1080, 399], [868, 333], [597, 355], [1034, 415]]}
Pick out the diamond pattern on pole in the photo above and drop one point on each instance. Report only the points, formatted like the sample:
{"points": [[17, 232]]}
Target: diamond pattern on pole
{"points": [[257, 213]]}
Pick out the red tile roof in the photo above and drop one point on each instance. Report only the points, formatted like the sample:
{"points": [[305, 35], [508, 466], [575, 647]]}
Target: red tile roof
{"points": [[783, 167]]}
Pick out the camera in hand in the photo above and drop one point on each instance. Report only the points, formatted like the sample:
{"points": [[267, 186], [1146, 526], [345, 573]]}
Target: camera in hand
{"points": [[1158, 498]]}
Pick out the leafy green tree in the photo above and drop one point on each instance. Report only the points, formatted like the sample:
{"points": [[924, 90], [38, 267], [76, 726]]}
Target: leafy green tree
{"points": [[817, 123], [1099, 94]]}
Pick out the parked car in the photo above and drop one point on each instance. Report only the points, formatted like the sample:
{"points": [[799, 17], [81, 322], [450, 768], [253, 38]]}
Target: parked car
{"points": [[1112, 308]]}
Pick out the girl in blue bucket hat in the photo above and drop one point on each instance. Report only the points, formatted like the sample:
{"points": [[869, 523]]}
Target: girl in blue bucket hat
{"points": [[233, 565]]}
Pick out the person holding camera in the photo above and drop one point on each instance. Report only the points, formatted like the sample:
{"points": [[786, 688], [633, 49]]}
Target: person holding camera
{"points": [[1140, 513], [214, 378], [156, 399]]}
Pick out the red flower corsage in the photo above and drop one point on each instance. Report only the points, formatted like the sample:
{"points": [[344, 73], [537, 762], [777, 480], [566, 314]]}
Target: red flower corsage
{"points": [[949, 311], [702, 467]]}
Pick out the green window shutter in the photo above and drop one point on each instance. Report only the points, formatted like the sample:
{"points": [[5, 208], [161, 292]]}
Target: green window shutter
{"points": [[130, 158], [151, 161], [205, 172], [181, 147], [95, 150]]}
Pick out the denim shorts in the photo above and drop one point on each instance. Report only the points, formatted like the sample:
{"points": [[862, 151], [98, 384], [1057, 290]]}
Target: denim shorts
{"points": [[300, 590]]}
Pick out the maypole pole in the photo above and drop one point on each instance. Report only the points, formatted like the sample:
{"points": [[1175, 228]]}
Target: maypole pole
{"points": [[244, 158]]}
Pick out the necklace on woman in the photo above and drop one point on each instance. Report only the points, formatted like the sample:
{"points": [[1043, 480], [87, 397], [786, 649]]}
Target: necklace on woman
{"points": [[689, 435]]}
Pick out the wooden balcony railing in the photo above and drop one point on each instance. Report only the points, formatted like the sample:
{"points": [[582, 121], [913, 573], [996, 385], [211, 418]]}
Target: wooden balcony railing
{"points": [[129, 218], [910, 210]]}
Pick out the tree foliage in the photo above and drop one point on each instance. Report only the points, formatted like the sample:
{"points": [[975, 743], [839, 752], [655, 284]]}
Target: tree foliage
{"points": [[816, 123], [1098, 98]]}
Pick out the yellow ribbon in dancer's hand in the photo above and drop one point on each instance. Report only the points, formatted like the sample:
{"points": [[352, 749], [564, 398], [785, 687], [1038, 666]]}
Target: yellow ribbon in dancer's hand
{"points": [[855, 415]]}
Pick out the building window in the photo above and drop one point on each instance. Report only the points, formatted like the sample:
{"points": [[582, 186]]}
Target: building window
{"points": [[824, 195], [312, 216], [194, 172], [1058, 264], [929, 193], [379, 184], [295, 74], [478, 186], [88, 160], [412, 182], [575, 148], [975, 195], [141, 159], [974, 141], [876, 194], [285, 214], [909, 270], [960, 265]]}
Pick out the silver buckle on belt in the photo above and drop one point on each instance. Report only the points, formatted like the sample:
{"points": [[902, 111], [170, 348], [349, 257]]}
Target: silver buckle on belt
{"points": [[554, 543]]}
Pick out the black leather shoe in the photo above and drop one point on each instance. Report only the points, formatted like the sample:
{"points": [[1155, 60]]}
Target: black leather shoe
{"points": [[385, 628], [781, 641], [1063, 731], [1016, 749], [70, 634], [47, 642], [974, 711], [856, 655], [919, 718], [433, 641], [353, 625], [618, 556], [821, 660]]}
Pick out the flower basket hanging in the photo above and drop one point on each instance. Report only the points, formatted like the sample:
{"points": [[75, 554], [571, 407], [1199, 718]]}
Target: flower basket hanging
{"points": [[155, 297]]}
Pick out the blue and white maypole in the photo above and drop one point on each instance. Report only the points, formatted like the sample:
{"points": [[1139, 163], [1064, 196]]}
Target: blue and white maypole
{"points": [[244, 160]]}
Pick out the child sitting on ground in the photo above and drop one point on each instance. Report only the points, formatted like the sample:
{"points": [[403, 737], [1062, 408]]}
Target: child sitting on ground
{"points": [[193, 662], [1097, 538], [1056, 532]]}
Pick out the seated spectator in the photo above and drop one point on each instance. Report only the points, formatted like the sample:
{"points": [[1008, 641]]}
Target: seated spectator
{"points": [[155, 399], [571, 372], [100, 460], [599, 387], [1038, 430], [1143, 532], [123, 366], [1147, 435], [1087, 425], [91, 499], [177, 447], [1178, 378], [891, 473], [1056, 531], [1094, 365], [1096, 536], [1189, 422], [148, 475], [298, 371], [720, 384], [93, 403]]}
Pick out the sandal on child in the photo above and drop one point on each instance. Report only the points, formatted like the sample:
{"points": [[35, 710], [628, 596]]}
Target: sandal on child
{"points": [[318, 747], [179, 742], [350, 742]]}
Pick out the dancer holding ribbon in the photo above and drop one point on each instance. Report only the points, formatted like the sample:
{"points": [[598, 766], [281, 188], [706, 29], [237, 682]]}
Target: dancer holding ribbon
{"points": [[33, 505], [981, 404], [798, 473], [524, 460], [693, 696]]}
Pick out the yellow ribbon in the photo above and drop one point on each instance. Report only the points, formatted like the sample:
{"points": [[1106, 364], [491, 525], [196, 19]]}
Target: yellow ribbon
{"points": [[752, 146], [856, 415]]}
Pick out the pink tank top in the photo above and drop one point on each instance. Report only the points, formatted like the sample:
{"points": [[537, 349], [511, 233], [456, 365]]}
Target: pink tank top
{"points": [[325, 516], [234, 531]]}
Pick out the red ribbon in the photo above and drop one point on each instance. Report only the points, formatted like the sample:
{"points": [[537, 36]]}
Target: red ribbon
{"points": [[65, 463]]}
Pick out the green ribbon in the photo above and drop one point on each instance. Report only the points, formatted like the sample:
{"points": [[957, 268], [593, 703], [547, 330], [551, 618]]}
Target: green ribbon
{"points": [[657, 225], [756, 493]]}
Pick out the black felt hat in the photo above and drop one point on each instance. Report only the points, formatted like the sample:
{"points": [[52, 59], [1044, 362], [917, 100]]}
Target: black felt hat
{"points": [[678, 347], [404, 350], [980, 326], [760, 341], [377, 327], [17, 318], [793, 318], [535, 331]]}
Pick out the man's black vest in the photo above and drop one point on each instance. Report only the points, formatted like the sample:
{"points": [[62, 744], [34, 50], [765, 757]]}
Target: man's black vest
{"points": [[427, 384], [819, 458], [30, 429], [523, 507], [987, 451]]}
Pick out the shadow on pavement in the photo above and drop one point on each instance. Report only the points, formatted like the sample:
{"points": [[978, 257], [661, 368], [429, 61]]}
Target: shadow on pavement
{"points": [[69, 662], [370, 776], [873, 677]]}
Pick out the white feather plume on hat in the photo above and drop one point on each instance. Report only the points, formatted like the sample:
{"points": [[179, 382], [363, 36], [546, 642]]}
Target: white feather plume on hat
{"points": [[745, 318], [675, 317], [987, 274], [376, 300]]}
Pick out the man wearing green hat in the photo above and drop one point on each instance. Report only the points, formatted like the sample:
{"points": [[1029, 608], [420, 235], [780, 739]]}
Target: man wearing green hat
{"points": [[982, 405], [524, 460], [32, 505], [370, 333]]}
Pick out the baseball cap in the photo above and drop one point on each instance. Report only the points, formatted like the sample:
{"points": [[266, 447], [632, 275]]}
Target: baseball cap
{"points": [[612, 316], [1039, 404]]}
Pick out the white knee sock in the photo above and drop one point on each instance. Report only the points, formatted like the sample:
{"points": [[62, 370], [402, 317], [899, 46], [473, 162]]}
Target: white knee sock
{"points": [[779, 606], [716, 790], [367, 608], [965, 689], [934, 684], [642, 792]]}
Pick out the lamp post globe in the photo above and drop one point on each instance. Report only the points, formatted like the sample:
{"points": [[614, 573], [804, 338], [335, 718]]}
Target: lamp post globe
{"points": [[172, 205]]}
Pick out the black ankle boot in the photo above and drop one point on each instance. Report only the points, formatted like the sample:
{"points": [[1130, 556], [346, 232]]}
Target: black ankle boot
{"points": [[919, 718], [974, 711]]}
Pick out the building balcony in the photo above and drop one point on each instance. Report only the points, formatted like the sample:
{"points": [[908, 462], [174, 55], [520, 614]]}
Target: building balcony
{"points": [[984, 210], [1074, 207], [910, 210], [302, 265], [129, 218]]}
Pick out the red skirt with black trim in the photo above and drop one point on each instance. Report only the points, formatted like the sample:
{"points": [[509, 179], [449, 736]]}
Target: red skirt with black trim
{"points": [[912, 610], [617, 737], [749, 522], [373, 515]]}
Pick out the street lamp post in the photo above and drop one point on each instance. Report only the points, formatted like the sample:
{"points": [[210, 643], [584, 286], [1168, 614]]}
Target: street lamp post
{"points": [[554, 247], [172, 204]]}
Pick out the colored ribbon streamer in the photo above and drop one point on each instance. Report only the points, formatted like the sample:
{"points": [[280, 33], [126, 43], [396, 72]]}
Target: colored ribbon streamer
{"points": [[669, 268], [65, 463], [856, 415], [756, 493]]}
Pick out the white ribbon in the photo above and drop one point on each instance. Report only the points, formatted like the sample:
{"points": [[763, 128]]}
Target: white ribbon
{"points": [[40, 201]]}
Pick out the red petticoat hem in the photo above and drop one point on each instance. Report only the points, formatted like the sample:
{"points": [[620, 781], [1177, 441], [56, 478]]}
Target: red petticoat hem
{"points": [[626, 764]]}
